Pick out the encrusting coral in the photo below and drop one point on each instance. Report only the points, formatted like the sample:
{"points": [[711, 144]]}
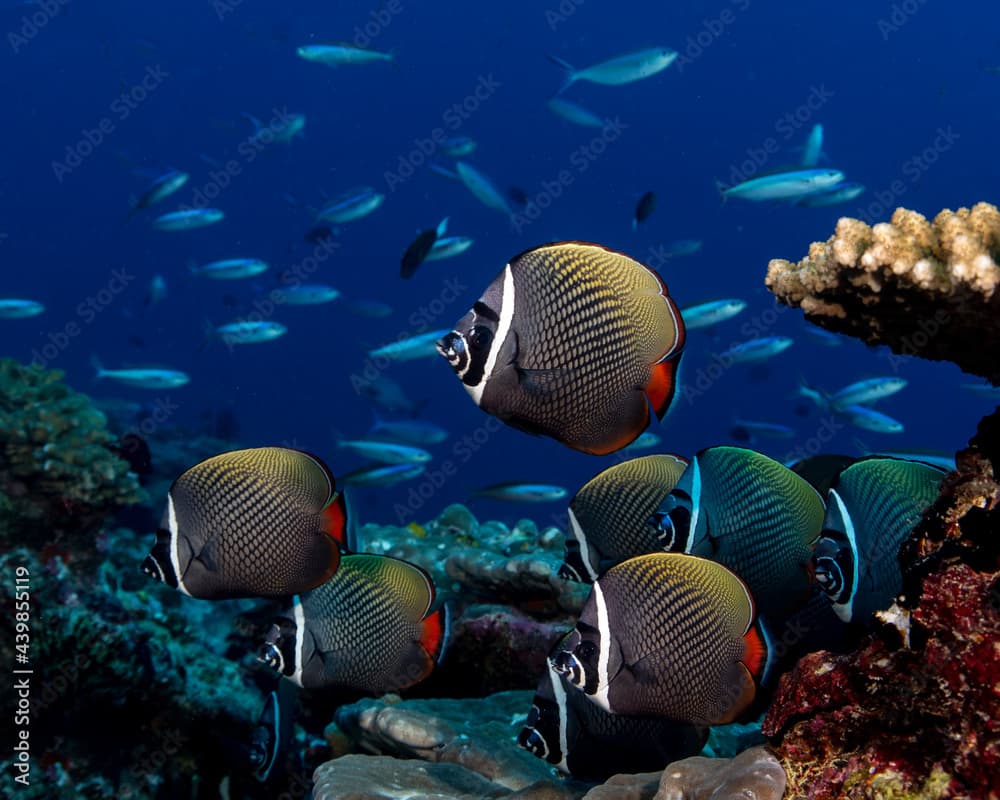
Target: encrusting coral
{"points": [[59, 474], [923, 288]]}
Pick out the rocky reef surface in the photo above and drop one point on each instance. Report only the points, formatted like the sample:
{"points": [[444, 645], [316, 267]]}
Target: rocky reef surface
{"points": [[915, 710], [924, 288]]}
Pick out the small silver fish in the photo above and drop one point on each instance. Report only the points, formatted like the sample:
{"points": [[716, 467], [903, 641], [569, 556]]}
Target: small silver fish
{"points": [[143, 377], [871, 420], [351, 205], [523, 492], [626, 68], [449, 247], [571, 112], [870, 390], [340, 53], [785, 185], [458, 146], [382, 476], [230, 269], [16, 308], [306, 294], [187, 219], [756, 349], [482, 188], [704, 315], [386, 452], [419, 346], [250, 332]]}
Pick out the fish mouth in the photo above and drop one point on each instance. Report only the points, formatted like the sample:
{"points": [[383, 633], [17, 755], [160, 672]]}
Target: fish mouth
{"points": [[451, 347]]}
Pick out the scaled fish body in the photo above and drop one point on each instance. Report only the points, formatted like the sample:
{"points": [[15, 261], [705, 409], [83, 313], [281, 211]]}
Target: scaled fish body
{"points": [[610, 517], [187, 220], [573, 341], [581, 739], [752, 514], [872, 507], [231, 268], [626, 68], [336, 54], [370, 627], [783, 185], [705, 315], [667, 635], [15, 308], [263, 522]]}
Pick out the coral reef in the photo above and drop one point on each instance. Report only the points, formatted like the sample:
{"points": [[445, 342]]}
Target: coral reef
{"points": [[923, 288], [753, 773], [59, 474], [917, 714]]}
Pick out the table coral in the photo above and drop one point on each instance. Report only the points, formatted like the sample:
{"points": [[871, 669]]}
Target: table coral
{"points": [[923, 288]]}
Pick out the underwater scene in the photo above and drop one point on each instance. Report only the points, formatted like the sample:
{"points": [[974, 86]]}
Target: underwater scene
{"points": [[523, 401]]}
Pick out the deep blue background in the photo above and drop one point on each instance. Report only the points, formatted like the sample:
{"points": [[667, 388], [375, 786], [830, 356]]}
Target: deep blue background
{"points": [[891, 93]]}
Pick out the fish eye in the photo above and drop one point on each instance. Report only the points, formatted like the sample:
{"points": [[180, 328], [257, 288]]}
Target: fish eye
{"points": [[586, 650], [481, 337]]}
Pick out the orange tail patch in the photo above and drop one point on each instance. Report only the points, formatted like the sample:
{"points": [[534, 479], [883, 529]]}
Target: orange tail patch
{"points": [[335, 520], [662, 385], [434, 635], [756, 654]]}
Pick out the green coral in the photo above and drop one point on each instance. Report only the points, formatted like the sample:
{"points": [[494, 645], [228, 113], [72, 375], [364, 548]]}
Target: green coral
{"points": [[58, 470]]}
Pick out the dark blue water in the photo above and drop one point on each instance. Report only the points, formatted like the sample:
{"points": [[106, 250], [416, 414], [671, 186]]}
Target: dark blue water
{"points": [[907, 110]]}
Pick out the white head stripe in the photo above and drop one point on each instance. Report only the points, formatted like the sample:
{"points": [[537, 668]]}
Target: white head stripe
{"points": [[300, 637], [503, 329], [695, 468], [604, 653], [175, 557], [579, 535], [560, 696], [846, 610]]}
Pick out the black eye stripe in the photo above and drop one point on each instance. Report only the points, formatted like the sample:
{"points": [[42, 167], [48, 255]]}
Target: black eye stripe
{"points": [[484, 311]]}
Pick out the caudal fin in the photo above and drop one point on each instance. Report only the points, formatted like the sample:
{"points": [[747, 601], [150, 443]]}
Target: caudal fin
{"points": [[569, 69]]}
